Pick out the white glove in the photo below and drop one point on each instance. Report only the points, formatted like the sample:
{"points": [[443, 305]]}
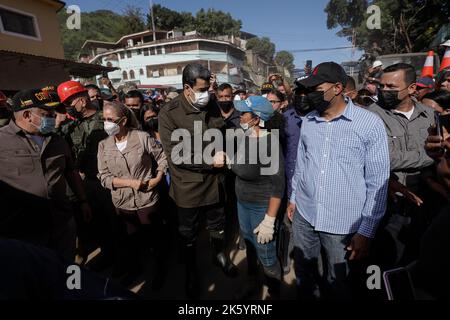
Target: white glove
{"points": [[265, 230]]}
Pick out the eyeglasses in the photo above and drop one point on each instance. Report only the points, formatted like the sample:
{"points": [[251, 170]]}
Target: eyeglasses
{"points": [[111, 120], [274, 101]]}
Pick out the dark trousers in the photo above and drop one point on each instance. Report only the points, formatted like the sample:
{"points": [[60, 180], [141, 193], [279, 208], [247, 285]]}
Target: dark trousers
{"points": [[188, 221]]}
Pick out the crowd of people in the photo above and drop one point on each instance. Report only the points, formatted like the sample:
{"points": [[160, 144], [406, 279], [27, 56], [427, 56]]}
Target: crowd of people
{"points": [[362, 178]]}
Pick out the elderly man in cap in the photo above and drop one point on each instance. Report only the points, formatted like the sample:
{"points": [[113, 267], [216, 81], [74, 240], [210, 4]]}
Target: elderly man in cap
{"points": [[35, 168], [339, 187]]}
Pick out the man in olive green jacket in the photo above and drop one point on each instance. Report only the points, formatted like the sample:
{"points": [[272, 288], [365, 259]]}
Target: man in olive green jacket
{"points": [[195, 186]]}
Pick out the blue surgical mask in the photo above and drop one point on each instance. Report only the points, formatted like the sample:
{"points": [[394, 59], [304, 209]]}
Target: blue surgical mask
{"points": [[47, 125]]}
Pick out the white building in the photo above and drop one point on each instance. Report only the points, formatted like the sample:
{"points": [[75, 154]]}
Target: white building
{"points": [[145, 61]]}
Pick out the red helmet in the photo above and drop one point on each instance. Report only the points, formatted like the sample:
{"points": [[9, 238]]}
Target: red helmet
{"points": [[3, 99], [68, 89]]}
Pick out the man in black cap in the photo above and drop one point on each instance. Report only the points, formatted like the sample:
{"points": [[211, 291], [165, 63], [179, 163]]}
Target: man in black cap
{"points": [[35, 167], [339, 187]]}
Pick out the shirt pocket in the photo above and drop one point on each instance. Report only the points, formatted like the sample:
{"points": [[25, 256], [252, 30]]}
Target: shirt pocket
{"points": [[110, 159], [423, 135], [349, 150], [19, 161]]}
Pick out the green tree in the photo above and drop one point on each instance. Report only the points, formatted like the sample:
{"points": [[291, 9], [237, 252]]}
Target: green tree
{"points": [[101, 25], [263, 47], [285, 59], [210, 22], [214, 23], [133, 19], [166, 19], [406, 25]]}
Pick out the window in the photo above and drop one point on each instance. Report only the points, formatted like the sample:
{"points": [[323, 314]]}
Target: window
{"points": [[18, 23], [122, 56], [159, 50], [152, 51], [124, 75], [141, 72], [179, 70], [161, 72], [128, 54], [138, 52], [146, 52], [131, 74]]}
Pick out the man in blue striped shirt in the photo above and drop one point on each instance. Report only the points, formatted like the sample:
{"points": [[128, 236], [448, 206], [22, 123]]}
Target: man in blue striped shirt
{"points": [[339, 188]]}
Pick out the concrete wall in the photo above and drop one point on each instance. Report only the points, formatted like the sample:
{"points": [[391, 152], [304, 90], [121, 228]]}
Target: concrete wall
{"points": [[50, 43]]}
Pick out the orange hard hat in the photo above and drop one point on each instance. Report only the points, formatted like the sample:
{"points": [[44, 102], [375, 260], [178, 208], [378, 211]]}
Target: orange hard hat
{"points": [[68, 89]]}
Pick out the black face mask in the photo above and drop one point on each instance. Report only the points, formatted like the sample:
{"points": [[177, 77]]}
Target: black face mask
{"points": [[74, 113], [136, 112], [152, 125], [225, 106], [301, 104], [388, 99], [98, 103], [317, 101]]}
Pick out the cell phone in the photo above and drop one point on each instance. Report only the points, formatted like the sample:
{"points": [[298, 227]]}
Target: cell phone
{"points": [[399, 285], [437, 120]]}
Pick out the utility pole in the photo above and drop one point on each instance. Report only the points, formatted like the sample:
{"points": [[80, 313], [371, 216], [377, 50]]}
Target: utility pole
{"points": [[153, 20]]}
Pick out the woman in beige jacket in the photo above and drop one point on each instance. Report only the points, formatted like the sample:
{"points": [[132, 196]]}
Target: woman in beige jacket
{"points": [[131, 164]]}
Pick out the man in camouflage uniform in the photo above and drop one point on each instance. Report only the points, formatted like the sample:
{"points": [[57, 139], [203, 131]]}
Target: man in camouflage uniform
{"points": [[84, 135]]}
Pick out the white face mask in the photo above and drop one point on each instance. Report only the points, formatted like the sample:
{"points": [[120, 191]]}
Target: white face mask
{"points": [[244, 126], [201, 99], [111, 128]]}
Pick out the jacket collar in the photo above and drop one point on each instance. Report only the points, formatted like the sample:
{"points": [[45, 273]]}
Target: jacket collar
{"points": [[132, 142]]}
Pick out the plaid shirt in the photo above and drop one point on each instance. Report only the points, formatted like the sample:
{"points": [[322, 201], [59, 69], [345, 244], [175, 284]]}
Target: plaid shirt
{"points": [[342, 171]]}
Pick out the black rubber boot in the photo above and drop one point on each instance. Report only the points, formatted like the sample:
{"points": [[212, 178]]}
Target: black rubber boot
{"points": [[221, 259], [274, 286], [133, 265], [192, 282], [250, 287], [154, 235]]}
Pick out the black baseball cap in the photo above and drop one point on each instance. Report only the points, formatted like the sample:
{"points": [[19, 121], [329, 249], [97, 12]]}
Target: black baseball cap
{"points": [[325, 72], [34, 98]]}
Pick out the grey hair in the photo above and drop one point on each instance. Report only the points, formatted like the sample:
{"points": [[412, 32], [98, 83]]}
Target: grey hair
{"points": [[194, 71], [123, 111]]}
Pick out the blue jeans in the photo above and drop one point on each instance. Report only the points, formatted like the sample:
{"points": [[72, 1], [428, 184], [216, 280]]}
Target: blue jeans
{"points": [[308, 244], [250, 216]]}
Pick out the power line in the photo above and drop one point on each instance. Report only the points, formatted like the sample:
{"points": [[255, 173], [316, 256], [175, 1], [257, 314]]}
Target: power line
{"points": [[320, 49]]}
